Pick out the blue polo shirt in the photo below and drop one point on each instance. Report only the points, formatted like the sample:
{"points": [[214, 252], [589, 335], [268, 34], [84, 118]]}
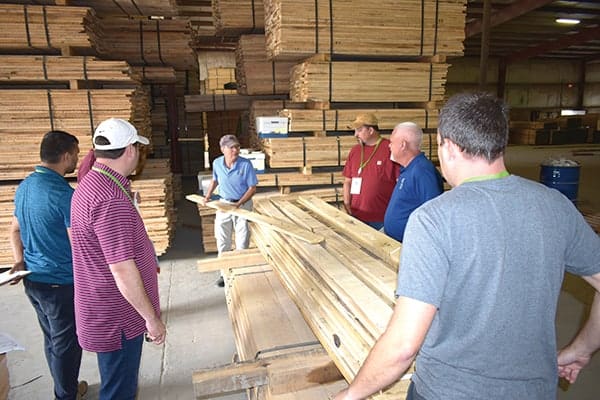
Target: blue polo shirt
{"points": [[418, 182], [43, 209], [234, 182]]}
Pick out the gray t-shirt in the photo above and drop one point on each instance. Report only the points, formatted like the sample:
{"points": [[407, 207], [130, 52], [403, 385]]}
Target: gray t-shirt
{"points": [[491, 256]]}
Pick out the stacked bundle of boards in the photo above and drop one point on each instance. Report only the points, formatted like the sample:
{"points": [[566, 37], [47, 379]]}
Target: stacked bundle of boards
{"points": [[104, 8], [306, 120], [47, 29], [255, 74], [297, 29], [278, 355], [157, 206], [149, 42], [25, 115], [328, 151], [41, 68], [355, 81], [344, 292], [235, 17], [7, 208]]}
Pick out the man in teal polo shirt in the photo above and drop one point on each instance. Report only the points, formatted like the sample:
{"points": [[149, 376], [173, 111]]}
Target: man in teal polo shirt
{"points": [[40, 241]]}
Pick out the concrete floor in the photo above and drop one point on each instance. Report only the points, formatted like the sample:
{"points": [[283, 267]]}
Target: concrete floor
{"points": [[199, 330]]}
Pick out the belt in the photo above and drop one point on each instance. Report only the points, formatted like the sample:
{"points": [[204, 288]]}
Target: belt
{"points": [[232, 200]]}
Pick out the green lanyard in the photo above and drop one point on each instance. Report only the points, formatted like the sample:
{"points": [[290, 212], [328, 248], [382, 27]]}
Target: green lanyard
{"points": [[487, 177], [362, 155], [115, 180]]}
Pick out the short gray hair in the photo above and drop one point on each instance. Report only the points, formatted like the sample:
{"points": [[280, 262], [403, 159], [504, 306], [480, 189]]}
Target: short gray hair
{"points": [[416, 131], [229, 141]]}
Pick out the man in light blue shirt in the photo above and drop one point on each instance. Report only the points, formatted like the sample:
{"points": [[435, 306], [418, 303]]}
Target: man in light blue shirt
{"points": [[237, 182]]}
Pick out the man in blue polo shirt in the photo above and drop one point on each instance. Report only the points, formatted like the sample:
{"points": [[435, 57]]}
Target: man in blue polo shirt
{"points": [[40, 242], [419, 180], [237, 182]]}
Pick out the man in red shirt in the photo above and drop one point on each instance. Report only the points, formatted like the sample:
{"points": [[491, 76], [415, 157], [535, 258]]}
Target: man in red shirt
{"points": [[370, 175]]}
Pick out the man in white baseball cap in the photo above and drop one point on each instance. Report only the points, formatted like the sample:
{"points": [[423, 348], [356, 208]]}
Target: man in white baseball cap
{"points": [[114, 263]]}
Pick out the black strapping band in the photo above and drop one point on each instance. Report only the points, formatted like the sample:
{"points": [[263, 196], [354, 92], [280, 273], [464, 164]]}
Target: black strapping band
{"points": [[46, 29], [435, 37], [89, 96], [45, 67], [324, 123], [273, 77], [316, 26], [339, 151], [26, 20], [141, 25], [303, 152], [422, 26], [50, 111], [253, 16], [158, 39]]}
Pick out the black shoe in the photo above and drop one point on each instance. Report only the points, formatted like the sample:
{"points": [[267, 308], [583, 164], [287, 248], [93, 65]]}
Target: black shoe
{"points": [[220, 282]]}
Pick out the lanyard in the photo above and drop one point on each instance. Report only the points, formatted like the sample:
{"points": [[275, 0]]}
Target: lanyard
{"points": [[362, 155], [487, 177], [115, 180]]}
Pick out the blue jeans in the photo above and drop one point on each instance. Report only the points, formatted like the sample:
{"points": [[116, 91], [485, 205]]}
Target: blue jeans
{"points": [[54, 305], [412, 393], [119, 370]]}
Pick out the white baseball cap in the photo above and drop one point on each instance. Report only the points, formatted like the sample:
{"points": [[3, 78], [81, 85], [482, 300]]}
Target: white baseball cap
{"points": [[119, 133]]}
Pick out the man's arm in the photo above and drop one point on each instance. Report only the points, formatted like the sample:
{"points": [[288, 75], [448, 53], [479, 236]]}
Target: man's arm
{"points": [[129, 282], [209, 191], [347, 195], [578, 353], [247, 196], [394, 351], [16, 246]]}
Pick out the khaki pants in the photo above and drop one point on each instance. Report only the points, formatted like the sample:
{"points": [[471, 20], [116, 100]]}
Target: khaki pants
{"points": [[4, 381]]}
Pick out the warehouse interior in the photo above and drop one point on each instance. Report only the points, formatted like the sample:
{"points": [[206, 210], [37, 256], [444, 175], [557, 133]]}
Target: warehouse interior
{"points": [[187, 72]]}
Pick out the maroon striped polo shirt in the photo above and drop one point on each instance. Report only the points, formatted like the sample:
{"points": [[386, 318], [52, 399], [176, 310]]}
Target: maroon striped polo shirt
{"points": [[106, 229]]}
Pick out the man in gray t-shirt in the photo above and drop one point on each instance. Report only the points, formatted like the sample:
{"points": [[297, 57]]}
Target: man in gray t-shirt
{"points": [[480, 275]]}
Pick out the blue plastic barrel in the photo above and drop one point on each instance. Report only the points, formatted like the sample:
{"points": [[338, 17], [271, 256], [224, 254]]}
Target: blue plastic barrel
{"points": [[563, 179]]}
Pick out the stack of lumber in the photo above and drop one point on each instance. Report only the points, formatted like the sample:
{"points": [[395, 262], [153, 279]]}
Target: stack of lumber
{"points": [[216, 80], [297, 29], [234, 17], [343, 286], [199, 13], [207, 214], [149, 42], [36, 69], [157, 206], [7, 208], [278, 355], [339, 120], [155, 74], [525, 132], [257, 75], [328, 151], [25, 115], [348, 81], [105, 8], [48, 29], [222, 102]]}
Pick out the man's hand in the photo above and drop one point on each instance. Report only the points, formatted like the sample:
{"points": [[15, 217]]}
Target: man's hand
{"points": [[156, 330], [18, 266], [343, 395], [570, 363]]}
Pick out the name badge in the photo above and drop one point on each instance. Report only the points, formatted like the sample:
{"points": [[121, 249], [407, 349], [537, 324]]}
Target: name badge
{"points": [[355, 186]]}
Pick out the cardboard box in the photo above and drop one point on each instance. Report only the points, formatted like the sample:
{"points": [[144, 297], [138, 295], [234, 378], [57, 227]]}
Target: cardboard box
{"points": [[272, 125], [257, 158]]}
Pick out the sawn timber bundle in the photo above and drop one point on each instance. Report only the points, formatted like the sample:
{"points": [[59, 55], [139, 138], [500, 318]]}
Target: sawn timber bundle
{"points": [[344, 287], [348, 81], [297, 29]]}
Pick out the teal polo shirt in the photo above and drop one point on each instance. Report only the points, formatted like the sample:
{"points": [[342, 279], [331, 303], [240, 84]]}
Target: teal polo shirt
{"points": [[43, 209]]}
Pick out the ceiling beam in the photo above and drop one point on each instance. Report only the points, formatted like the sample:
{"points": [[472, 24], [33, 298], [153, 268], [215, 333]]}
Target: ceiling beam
{"points": [[565, 41], [516, 9]]}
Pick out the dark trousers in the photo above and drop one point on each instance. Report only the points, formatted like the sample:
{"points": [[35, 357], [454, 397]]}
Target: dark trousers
{"points": [[54, 305], [412, 393], [119, 370]]}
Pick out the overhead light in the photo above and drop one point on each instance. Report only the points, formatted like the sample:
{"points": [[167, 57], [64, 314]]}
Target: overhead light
{"points": [[567, 21], [566, 113]]}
